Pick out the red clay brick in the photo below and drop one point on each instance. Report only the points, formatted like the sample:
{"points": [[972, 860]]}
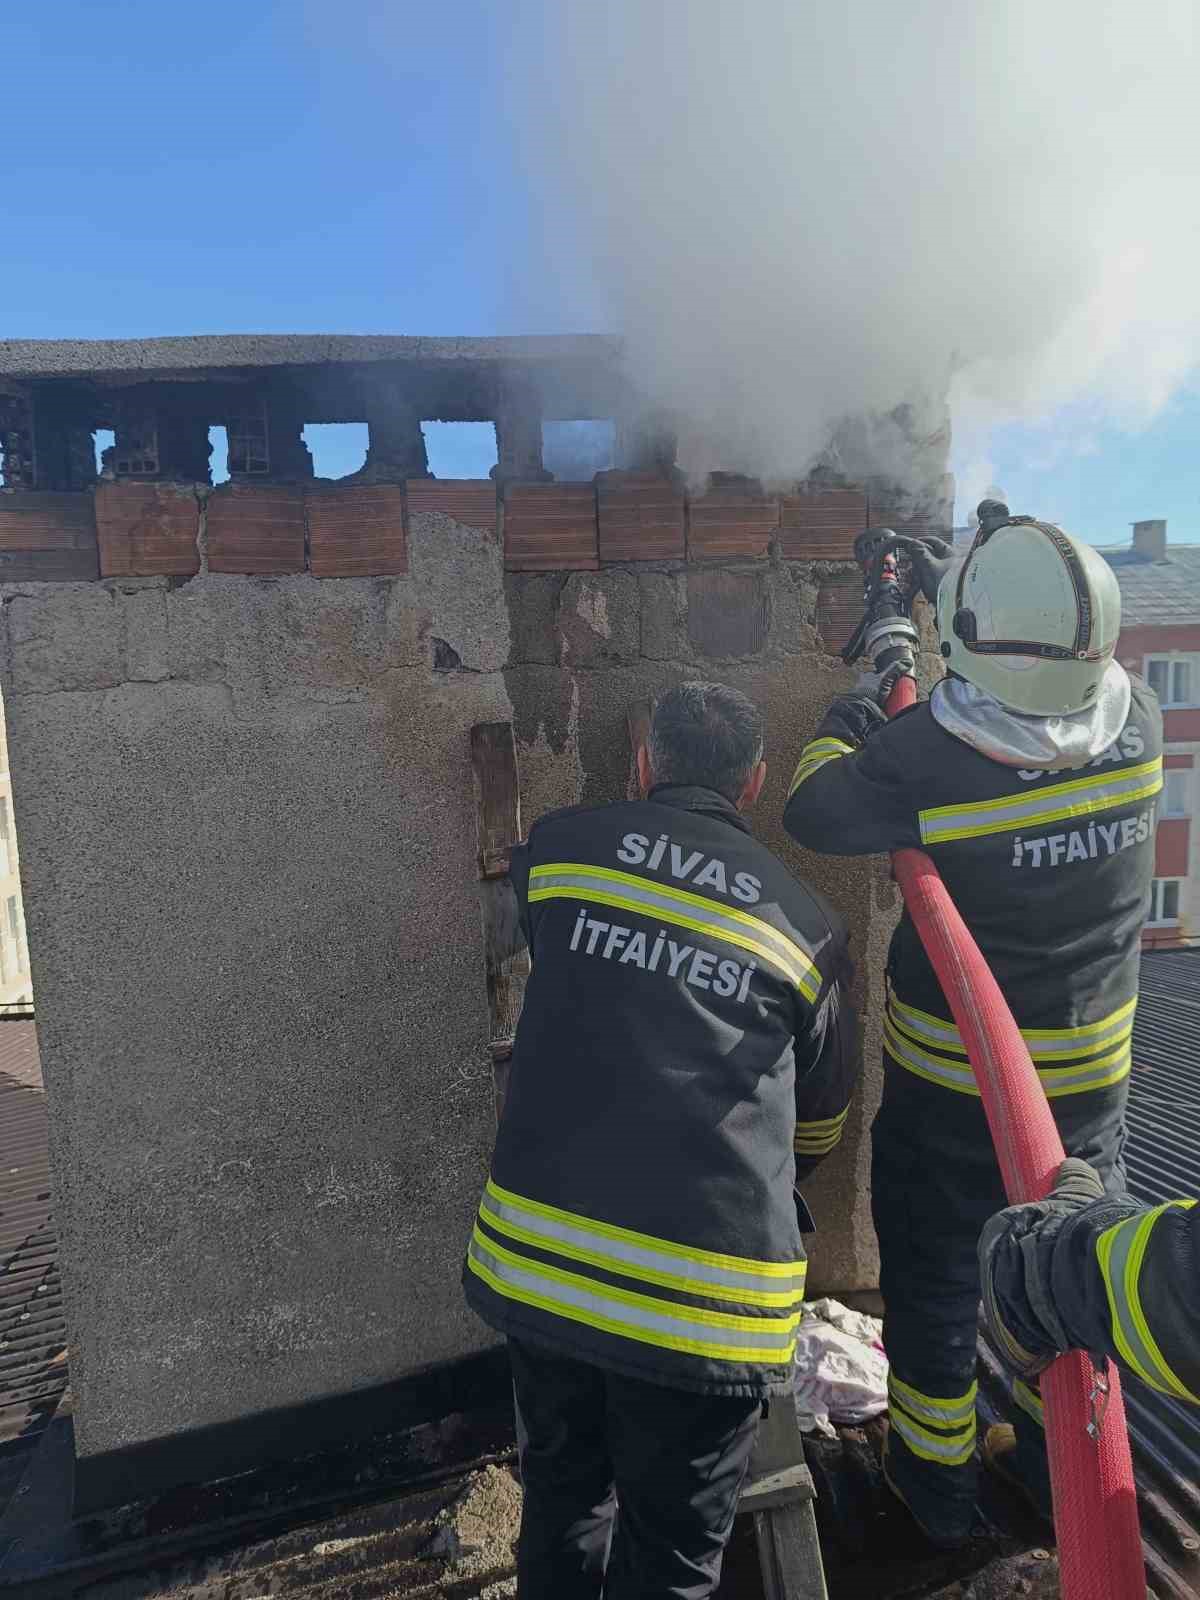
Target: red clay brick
{"points": [[839, 610], [256, 528], [641, 517], [550, 527], [356, 530], [731, 520], [47, 536], [471, 501], [822, 524], [147, 530]]}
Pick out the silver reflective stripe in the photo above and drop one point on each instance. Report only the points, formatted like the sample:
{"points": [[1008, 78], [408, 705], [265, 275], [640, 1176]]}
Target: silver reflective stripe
{"points": [[931, 1028], [1120, 1252], [1045, 1044], [621, 1254], [1092, 1074], [953, 1451], [1029, 1402], [1057, 802], [639, 1321], [945, 1413], [683, 908], [816, 755], [938, 1071]]}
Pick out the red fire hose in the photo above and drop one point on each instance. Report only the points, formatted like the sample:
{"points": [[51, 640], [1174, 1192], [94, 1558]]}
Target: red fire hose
{"points": [[1095, 1506]]}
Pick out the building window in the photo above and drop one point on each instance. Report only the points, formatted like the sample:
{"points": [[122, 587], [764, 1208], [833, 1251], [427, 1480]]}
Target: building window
{"points": [[1164, 902], [135, 448], [248, 454], [14, 932], [1176, 796], [6, 858], [1174, 679]]}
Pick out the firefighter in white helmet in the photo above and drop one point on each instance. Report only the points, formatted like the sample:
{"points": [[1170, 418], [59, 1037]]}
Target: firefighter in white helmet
{"points": [[1030, 776]]}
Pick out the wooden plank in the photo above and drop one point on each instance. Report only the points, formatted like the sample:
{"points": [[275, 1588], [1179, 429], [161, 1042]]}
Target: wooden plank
{"points": [[779, 1493], [498, 828], [638, 719]]}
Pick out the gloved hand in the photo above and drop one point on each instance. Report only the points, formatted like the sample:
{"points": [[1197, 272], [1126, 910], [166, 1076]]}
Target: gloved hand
{"points": [[878, 686], [1015, 1251], [854, 717], [931, 560]]}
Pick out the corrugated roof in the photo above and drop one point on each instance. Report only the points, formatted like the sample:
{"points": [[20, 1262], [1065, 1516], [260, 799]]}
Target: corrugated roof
{"points": [[33, 1372], [1163, 592]]}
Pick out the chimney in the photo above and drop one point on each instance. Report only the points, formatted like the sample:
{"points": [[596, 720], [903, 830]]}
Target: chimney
{"points": [[1150, 539]]}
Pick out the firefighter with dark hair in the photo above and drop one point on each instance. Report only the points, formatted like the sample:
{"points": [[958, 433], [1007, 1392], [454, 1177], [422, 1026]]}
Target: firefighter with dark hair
{"points": [[686, 1052], [1082, 1270], [1030, 776]]}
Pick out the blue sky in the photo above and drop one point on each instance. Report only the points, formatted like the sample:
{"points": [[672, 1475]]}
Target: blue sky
{"points": [[320, 167]]}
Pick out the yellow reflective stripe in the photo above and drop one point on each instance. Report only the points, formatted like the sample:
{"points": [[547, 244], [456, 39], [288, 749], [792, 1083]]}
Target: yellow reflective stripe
{"points": [[1030, 1402], [653, 899], [802, 1146], [817, 754], [685, 1284], [1100, 1072], [1120, 1251], [628, 1315], [1045, 1044], [951, 1073], [1080, 797], [950, 1450], [818, 1138], [956, 1075], [684, 1252], [946, 1413]]}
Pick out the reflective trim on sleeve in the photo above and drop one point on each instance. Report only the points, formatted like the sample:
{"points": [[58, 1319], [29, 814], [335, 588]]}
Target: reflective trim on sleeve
{"points": [[1058, 802], [1120, 1251], [819, 1138], [718, 1336], [1029, 1401], [639, 1256], [646, 897], [818, 753]]}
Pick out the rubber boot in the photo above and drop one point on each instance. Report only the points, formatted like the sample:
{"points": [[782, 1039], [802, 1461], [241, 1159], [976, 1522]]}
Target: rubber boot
{"points": [[946, 1521], [1021, 1465]]}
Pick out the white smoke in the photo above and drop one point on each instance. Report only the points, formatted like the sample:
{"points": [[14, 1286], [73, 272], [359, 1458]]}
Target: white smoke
{"points": [[800, 210]]}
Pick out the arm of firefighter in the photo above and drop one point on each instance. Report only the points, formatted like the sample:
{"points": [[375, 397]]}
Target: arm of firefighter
{"points": [[510, 927], [827, 1063], [851, 793], [1111, 1276]]}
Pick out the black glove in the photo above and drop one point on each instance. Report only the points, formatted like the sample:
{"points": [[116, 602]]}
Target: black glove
{"points": [[931, 560], [878, 686], [854, 718], [1015, 1251]]}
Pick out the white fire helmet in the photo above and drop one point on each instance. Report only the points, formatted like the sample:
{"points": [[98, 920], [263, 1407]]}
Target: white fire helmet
{"points": [[1031, 617]]}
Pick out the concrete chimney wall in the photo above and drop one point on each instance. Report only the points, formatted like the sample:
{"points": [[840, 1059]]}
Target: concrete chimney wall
{"points": [[1150, 539], [238, 727]]}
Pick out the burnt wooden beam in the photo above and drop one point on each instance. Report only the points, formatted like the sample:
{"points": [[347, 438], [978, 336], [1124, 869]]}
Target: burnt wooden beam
{"points": [[498, 828]]}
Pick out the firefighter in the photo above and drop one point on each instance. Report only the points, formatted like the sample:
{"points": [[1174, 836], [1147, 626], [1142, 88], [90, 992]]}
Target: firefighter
{"points": [[686, 1051], [1030, 776], [1082, 1270]]}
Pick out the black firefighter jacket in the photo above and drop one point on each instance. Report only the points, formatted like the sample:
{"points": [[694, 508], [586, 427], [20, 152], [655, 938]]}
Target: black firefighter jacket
{"points": [[1117, 1278], [687, 1046], [1051, 872]]}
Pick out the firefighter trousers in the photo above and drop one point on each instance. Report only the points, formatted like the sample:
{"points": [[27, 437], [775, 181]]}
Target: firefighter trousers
{"points": [[935, 1181], [630, 1488]]}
